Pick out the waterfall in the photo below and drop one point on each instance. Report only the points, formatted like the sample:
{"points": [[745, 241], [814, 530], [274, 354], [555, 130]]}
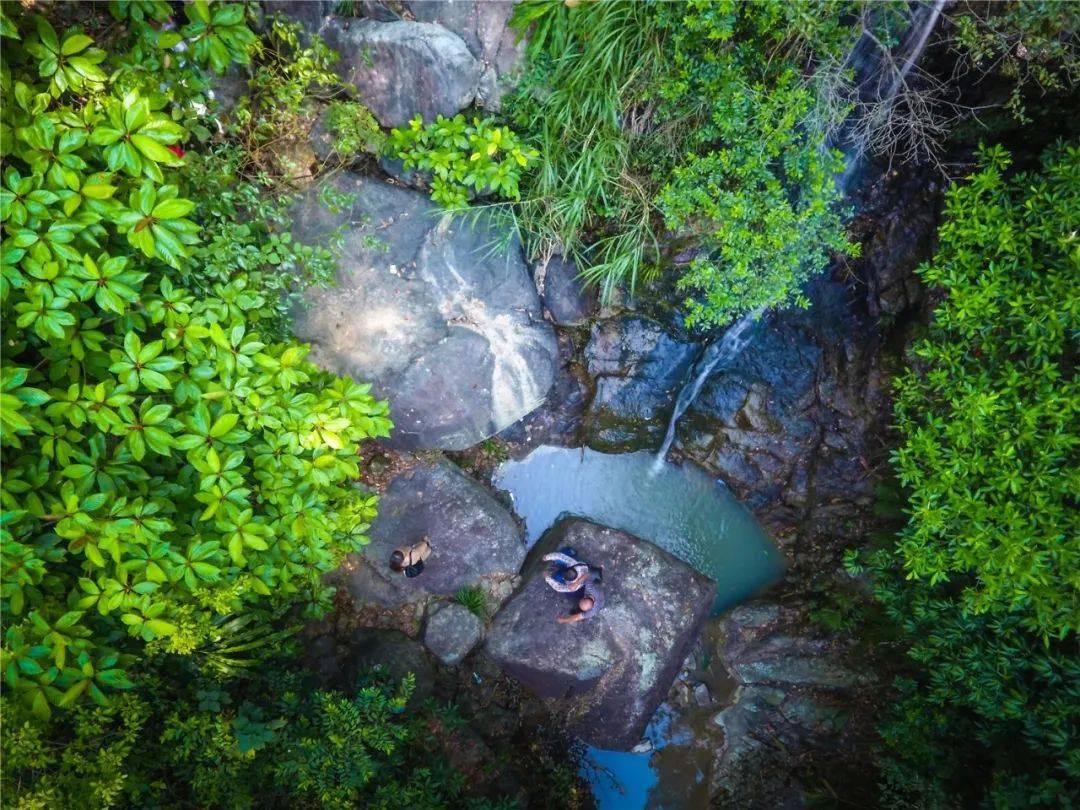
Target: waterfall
{"points": [[721, 351]]}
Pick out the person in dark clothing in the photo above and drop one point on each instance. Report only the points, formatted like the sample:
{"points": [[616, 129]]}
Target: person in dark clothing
{"points": [[409, 560]]}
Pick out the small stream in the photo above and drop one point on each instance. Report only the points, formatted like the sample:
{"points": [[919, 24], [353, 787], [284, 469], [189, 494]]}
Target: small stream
{"points": [[690, 514]]}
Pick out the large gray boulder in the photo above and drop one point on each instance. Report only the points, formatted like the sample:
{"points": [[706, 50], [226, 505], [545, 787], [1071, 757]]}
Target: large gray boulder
{"points": [[482, 25], [474, 540], [311, 14], [403, 69], [639, 368], [444, 326], [604, 676]]}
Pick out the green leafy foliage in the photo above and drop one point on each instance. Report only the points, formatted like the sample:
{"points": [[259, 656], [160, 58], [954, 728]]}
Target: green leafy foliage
{"points": [[169, 456], [354, 128], [698, 121], [292, 73], [1034, 44], [217, 34], [983, 577], [268, 739], [758, 188], [989, 412], [480, 156]]}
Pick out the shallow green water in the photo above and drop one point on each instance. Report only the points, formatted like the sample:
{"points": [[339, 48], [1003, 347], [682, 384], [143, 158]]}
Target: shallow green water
{"points": [[680, 509]]}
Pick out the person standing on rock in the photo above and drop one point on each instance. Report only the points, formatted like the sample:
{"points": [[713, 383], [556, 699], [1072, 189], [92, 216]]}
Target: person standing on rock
{"points": [[409, 560]]}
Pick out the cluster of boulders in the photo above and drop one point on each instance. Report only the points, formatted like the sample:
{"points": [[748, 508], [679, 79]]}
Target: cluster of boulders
{"points": [[468, 340], [604, 677]]}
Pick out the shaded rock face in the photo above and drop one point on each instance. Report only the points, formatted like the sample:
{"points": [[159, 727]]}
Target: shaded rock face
{"points": [[901, 216], [451, 632], [604, 676], [794, 425], [338, 661], [474, 541], [793, 687], [404, 69], [446, 330], [309, 13], [565, 296], [789, 425], [638, 368]]}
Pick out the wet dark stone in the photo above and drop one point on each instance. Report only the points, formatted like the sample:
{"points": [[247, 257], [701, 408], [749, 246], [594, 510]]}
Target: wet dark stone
{"points": [[565, 296], [604, 676], [638, 368], [558, 420]]}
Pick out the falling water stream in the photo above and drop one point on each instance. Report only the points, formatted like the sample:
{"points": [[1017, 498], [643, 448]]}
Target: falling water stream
{"points": [[715, 355]]}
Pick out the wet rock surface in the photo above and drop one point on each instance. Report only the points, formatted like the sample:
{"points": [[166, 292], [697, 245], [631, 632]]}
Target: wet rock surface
{"points": [[449, 332], [788, 425], [403, 69], [558, 420], [605, 676], [638, 368], [565, 296], [794, 692], [794, 425], [474, 542]]}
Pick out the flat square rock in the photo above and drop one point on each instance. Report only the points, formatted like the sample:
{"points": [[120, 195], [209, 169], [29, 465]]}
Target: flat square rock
{"points": [[606, 675], [474, 539]]}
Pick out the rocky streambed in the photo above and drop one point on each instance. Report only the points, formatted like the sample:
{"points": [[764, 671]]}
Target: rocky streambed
{"points": [[485, 358]]}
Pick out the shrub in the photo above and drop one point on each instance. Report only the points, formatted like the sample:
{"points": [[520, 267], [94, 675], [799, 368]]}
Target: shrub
{"points": [[756, 193], [983, 577], [168, 458], [268, 739], [462, 157], [1034, 45], [693, 121], [354, 128], [988, 413]]}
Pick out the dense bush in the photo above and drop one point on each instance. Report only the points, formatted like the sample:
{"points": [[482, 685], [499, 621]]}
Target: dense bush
{"points": [[683, 127], [983, 578], [1034, 45], [757, 190], [270, 739], [167, 458], [463, 157]]}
